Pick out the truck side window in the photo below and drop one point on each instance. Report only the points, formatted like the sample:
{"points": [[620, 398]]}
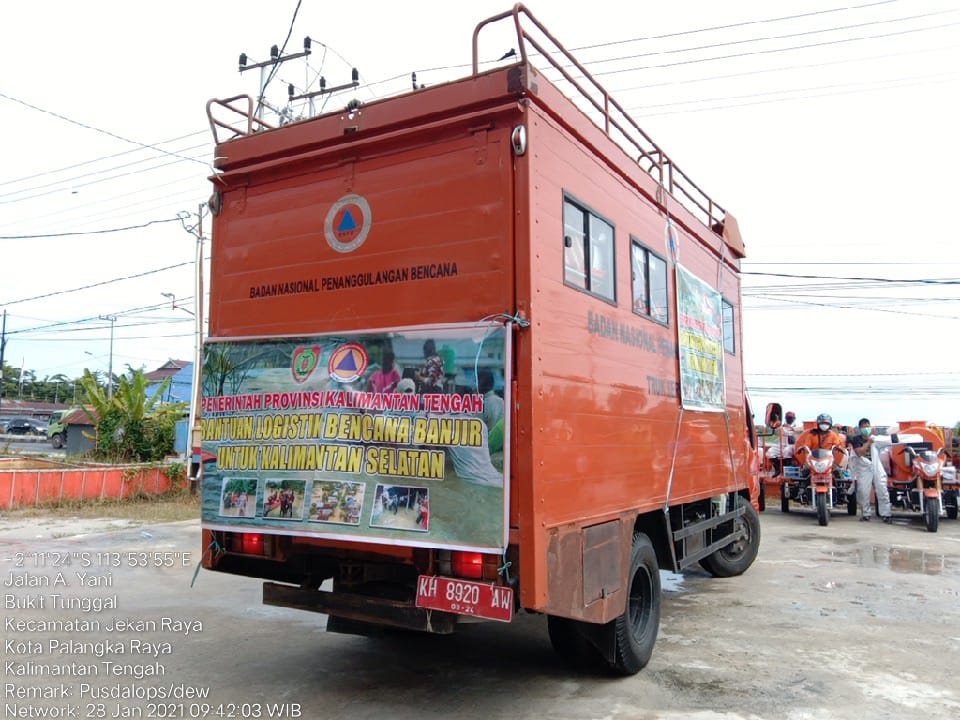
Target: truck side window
{"points": [[588, 252], [729, 337], [649, 281]]}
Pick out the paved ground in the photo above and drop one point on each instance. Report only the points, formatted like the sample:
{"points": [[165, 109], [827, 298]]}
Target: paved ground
{"points": [[855, 620]]}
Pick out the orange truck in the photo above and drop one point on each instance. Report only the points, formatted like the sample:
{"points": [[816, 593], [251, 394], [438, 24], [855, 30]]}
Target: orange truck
{"points": [[473, 351]]}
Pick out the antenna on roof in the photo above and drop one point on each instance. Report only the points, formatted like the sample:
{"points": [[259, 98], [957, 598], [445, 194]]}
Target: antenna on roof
{"points": [[324, 90], [265, 76]]}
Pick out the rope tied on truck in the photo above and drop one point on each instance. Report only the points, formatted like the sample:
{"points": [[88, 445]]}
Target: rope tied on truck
{"points": [[216, 548]]}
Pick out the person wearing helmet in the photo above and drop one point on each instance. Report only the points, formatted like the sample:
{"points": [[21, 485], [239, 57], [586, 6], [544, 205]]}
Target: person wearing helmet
{"points": [[868, 473], [822, 437]]}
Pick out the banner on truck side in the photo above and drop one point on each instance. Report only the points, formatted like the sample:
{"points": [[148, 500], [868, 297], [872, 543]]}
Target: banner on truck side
{"points": [[700, 341], [395, 437]]}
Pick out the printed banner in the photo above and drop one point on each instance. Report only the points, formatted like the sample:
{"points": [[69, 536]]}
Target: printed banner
{"points": [[390, 437], [700, 340]]}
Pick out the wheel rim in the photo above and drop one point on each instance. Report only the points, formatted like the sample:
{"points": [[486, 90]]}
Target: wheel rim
{"points": [[641, 604], [738, 547]]}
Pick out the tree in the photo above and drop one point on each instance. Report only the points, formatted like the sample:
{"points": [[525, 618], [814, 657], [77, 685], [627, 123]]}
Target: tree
{"points": [[130, 426]]}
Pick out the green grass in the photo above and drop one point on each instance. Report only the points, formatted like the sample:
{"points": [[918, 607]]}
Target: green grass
{"points": [[171, 507]]}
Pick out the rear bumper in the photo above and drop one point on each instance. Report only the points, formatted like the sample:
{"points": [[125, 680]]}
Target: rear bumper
{"points": [[364, 608]]}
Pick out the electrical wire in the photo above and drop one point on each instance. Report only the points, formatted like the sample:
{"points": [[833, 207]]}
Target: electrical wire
{"points": [[919, 281], [99, 130], [775, 50], [782, 68], [96, 284], [72, 181], [88, 232], [96, 160], [864, 85], [731, 26], [785, 36], [276, 65]]}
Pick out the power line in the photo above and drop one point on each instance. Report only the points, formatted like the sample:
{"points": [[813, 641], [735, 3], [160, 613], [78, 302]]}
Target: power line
{"points": [[788, 99], [776, 50], [888, 374], [100, 130], [276, 65], [88, 232], [919, 281], [856, 86], [840, 306], [733, 25], [785, 36], [101, 158], [763, 71], [96, 284], [71, 181]]}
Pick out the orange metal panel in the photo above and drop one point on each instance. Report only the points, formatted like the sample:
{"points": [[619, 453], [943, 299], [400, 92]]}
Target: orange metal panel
{"points": [[603, 419], [439, 209]]}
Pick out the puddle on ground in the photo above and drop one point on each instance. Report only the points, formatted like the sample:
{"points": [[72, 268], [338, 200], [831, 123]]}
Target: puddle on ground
{"points": [[898, 559], [814, 536]]}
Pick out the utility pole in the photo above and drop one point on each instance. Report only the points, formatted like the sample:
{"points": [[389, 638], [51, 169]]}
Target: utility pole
{"points": [[112, 319], [193, 419], [3, 346], [194, 436]]}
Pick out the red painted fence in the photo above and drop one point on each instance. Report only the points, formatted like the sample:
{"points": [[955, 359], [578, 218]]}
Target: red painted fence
{"points": [[41, 483]]}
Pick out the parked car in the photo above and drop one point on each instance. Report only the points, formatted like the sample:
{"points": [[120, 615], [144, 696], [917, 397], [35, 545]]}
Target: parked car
{"points": [[26, 426]]}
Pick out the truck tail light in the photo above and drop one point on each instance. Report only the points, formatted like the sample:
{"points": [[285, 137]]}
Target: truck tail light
{"points": [[467, 564], [251, 543]]}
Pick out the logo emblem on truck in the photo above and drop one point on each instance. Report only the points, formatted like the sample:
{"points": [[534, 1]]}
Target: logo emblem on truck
{"points": [[348, 363], [348, 223], [305, 361]]}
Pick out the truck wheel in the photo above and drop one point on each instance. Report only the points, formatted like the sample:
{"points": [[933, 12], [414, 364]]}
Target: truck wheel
{"points": [[784, 496], [952, 511], [57, 441], [735, 558], [851, 504], [635, 632], [823, 512], [931, 515]]}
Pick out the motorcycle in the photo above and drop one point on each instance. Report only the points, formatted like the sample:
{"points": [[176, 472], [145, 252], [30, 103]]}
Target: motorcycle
{"points": [[819, 480], [951, 490], [921, 487]]}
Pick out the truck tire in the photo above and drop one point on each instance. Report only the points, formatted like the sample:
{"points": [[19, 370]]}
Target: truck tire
{"points": [[735, 558], [635, 632], [57, 441]]}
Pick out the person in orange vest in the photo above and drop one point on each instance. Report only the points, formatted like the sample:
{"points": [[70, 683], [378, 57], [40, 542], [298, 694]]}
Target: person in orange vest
{"points": [[822, 437]]}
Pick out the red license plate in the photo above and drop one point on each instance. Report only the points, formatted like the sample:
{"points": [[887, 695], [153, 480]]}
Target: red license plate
{"points": [[463, 597]]}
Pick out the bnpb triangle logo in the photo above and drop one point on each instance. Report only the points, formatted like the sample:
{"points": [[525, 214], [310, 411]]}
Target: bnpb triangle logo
{"points": [[348, 363], [348, 223], [305, 361]]}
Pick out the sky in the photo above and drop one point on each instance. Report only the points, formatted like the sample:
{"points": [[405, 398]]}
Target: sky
{"points": [[827, 128]]}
